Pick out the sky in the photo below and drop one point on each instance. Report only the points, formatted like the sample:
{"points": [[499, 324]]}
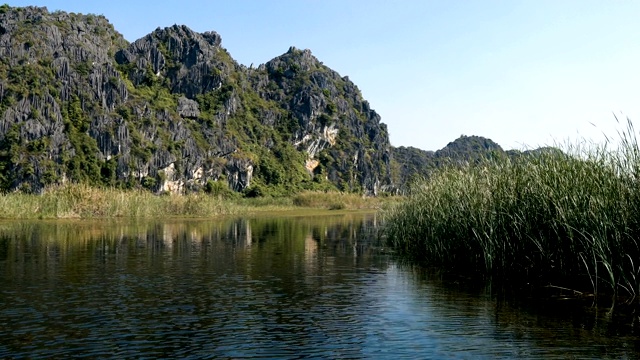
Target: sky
{"points": [[522, 73]]}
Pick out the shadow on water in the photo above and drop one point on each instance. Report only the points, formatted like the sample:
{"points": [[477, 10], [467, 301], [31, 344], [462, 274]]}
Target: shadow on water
{"points": [[277, 287], [552, 327]]}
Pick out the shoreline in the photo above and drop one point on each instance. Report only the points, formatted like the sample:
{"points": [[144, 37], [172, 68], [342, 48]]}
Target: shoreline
{"points": [[78, 201]]}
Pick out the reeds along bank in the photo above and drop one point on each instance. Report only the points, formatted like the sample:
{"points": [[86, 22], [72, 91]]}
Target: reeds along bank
{"points": [[565, 218]]}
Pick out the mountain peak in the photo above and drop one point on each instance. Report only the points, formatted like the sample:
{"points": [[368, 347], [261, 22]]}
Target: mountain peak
{"points": [[184, 32]]}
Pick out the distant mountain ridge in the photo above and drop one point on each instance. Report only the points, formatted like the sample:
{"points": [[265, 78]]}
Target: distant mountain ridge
{"points": [[409, 163], [174, 112]]}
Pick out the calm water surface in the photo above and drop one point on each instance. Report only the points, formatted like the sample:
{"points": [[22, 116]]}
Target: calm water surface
{"points": [[292, 287]]}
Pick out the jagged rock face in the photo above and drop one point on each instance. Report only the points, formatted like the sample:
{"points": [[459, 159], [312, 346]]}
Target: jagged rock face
{"points": [[192, 63], [334, 125], [172, 111], [188, 108], [46, 60], [409, 164]]}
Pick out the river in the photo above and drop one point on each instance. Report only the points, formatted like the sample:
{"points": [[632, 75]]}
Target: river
{"points": [[268, 287]]}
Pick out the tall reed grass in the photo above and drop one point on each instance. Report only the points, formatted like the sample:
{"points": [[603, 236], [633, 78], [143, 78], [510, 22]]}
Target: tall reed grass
{"points": [[83, 201], [337, 200], [569, 219]]}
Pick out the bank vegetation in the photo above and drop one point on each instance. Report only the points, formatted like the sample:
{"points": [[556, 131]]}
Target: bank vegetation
{"points": [[90, 202], [561, 219]]}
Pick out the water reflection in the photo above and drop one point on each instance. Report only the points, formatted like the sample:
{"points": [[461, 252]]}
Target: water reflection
{"points": [[260, 287]]}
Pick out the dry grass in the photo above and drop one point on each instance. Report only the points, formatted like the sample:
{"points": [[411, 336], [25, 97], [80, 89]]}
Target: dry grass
{"points": [[336, 200], [83, 201]]}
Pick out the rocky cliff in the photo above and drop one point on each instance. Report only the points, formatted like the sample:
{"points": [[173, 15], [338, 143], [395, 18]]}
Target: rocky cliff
{"points": [[174, 112]]}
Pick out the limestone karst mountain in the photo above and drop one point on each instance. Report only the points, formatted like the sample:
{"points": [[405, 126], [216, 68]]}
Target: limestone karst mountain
{"points": [[174, 112]]}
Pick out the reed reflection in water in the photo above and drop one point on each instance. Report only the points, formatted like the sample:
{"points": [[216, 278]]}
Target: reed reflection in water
{"points": [[261, 287]]}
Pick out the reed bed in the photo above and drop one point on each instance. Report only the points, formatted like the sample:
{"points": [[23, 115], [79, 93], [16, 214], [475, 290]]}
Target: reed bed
{"points": [[564, 219], [84, 201], [336, 200]]}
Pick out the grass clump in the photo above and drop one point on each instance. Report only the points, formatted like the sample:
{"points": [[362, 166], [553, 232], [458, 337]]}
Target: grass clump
{"points": [[566, 219], [334, 200]]}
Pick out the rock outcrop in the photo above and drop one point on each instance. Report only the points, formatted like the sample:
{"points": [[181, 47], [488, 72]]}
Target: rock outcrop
{"points": [[343, 138]]}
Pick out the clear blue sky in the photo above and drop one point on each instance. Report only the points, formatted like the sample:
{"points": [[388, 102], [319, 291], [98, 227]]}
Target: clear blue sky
{"points": [[523, 73]]}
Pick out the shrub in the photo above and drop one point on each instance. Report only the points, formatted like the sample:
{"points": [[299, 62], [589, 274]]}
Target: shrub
{"points": [[254, 191], [218, 188]]}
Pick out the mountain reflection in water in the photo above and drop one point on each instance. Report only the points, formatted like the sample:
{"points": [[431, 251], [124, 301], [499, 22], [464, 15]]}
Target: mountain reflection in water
{"points": [[274, 287]]}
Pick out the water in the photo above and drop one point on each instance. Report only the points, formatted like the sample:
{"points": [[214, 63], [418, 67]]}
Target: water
{"points": [[264, 288]]}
